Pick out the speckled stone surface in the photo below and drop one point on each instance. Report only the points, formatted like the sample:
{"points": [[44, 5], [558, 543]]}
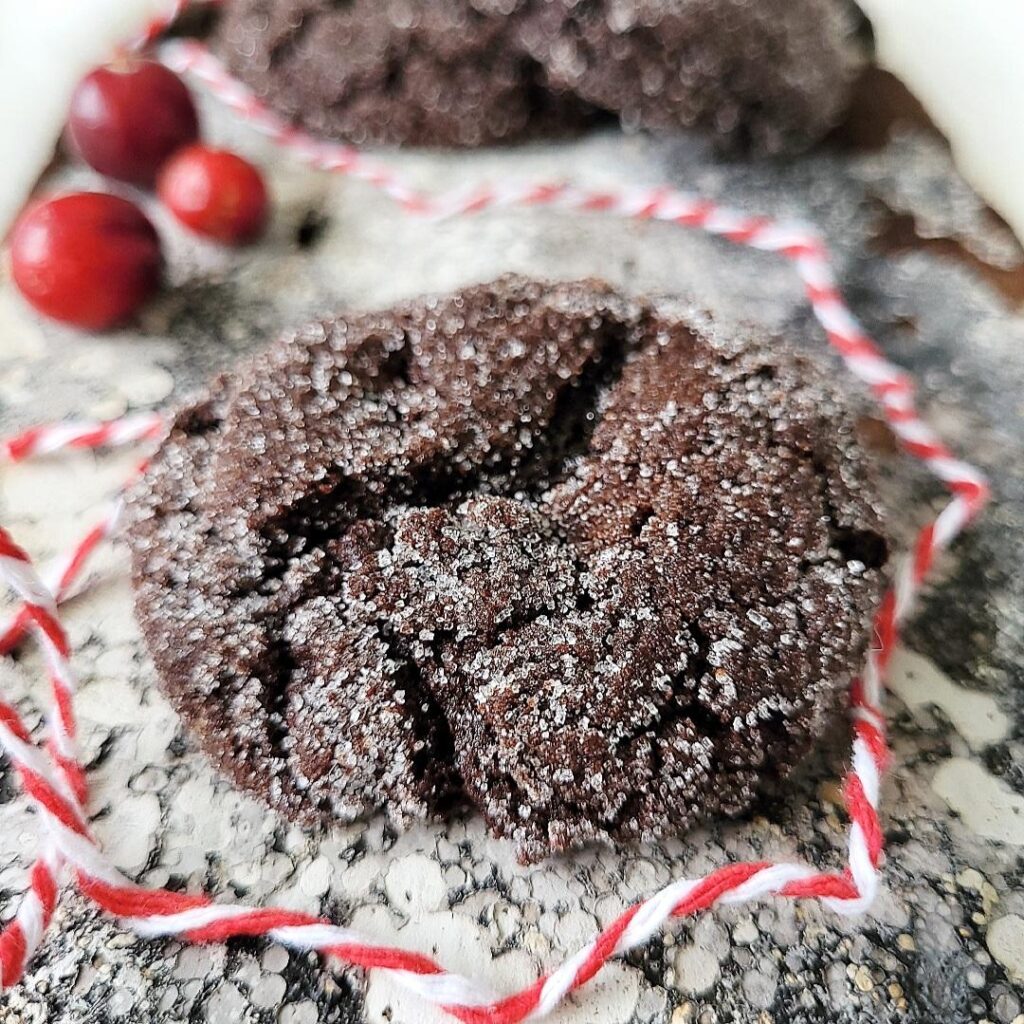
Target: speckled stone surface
{"points": [[943, 942]]}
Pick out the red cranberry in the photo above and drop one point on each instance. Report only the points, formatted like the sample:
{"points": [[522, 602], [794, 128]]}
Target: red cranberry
{"points": [[86, 258], [127, 118], [215, 193]]}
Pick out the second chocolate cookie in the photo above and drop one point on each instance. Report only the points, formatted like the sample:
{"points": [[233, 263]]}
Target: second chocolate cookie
{"points": [[437, 73], [766, 75]]}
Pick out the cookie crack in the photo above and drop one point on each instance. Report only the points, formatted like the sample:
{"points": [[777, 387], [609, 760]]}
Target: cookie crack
{"points": [[434, 764], [868, 547], [312, 524]]}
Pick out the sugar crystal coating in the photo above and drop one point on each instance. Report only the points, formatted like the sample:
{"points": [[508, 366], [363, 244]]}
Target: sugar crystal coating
{"points": [[765, 75], [593, 565], [770, 76], [419, 72]]}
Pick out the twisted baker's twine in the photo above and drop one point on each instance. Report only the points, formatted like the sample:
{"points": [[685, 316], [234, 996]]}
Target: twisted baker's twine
{"points": [[56, 783], [62, 576]]}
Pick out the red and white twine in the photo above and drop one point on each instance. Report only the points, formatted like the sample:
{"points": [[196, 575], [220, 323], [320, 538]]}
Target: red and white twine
{"points": [[55, 781]]}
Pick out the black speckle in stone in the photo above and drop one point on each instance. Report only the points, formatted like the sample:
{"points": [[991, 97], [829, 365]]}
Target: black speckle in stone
{"points": [[337, 999], [8, 784], [107, 746], [177, 747], [311, 229], [938, 988], [652, 960], [961, 644], [1001, 761]]}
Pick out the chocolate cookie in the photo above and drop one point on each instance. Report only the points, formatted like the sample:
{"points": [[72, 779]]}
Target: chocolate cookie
{"points": [[422, 72], [767, 75], [771, 76], [596, 566]]}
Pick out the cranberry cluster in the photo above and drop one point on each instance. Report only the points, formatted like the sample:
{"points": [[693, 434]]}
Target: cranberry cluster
{"points": [[92, 259]]}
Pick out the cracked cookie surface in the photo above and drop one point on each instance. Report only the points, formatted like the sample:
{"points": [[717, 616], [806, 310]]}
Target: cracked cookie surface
{"points": [[766, 76], [594, 566], [771, 77], [425, 73]]}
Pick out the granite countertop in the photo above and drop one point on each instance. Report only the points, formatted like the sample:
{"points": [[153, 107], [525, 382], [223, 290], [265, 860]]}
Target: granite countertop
{"points": [[930, 274]]}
